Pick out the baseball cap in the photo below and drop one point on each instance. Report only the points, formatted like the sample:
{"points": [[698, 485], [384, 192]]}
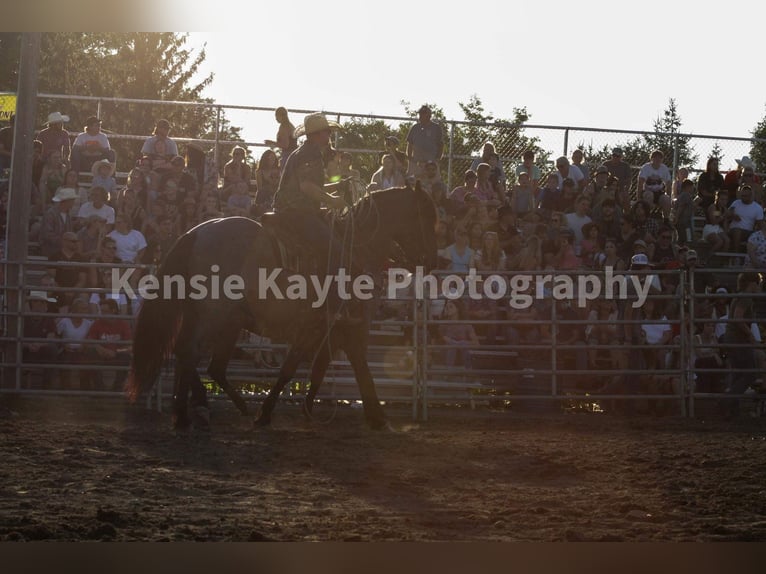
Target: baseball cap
{"points": [[639, 259]]}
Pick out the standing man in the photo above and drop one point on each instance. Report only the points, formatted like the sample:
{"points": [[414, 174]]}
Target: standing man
{"points": [[424, 142], [55, 137], [619, 169], [91, 146]]}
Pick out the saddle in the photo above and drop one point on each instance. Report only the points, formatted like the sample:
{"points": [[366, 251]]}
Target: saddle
{"points": [[287, 247]]}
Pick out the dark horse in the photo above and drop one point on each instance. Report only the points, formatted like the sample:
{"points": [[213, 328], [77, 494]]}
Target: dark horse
{"points": [[237, 246]]}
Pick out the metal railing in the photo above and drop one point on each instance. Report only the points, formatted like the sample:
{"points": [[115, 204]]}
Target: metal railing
{"points": [[547, 361]]}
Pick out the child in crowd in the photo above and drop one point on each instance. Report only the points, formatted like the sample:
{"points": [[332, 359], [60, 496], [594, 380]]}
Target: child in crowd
{"points": [[714, 233], [103, 172]]}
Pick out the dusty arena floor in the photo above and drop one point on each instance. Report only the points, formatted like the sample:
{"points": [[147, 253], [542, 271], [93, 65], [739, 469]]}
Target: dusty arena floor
{"points": [[90, 469]]}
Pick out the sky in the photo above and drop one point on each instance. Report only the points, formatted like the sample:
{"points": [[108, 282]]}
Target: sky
{"points": [[592, 63]]}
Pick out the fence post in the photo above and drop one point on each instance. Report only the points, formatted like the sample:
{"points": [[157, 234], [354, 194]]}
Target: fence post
{"points": [[683, 345], [449, 159], [566, 142], [98, 109], [691, 343], [423, 370], [675, 161], [415, 317], [216, 150], [554, 353]]}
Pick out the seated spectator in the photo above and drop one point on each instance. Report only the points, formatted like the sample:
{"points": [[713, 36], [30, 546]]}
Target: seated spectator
{"points": [[488, 150], [709, 183], [505, 227], [714, 233], [548, 197], [90, 235], [611, 258], [568, 197], [458, 254], [74, 329], [528, 164], [523, 195], [430, 176], [621, 170], [186, 183], [130, 242], [749, 178], [387, 175], [399, 157], [267, 180], [460, 336], [114, 348], [576, 220], [489, 257], [159, 148], [742, 216], [128, 205], [598, 188], [683, 212], [602, 329], [664, 251], [707, 356], [52, 178], [756, 246], [106, 277], [107, 254], [721, 205], [68, 276], [566, 258], [458, 194], [475, 235], [97, 207], [654, 183], [55, 138], [91, 145], [577, 161], [236, 169], [103, 176], [607, 218], [734, 178], [590, 246], [566, 171], [38, 327]]}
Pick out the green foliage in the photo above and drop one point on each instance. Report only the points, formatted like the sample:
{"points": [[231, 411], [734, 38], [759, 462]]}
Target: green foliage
{"points": [[670, 123], [758, 150], [142, 66]]}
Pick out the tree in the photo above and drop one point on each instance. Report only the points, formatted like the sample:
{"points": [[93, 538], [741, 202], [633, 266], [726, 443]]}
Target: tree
{"points": [[758, 149], [149, 66], [670, 123]]}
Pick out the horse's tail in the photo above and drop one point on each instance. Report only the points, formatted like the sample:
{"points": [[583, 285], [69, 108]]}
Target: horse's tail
{"points": [[158, 324]]}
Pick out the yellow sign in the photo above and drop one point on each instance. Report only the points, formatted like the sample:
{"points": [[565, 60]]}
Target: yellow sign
{"points": [[7, 106]]}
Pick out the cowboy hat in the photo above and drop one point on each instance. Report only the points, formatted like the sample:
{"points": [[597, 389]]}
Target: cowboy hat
{"points": [[40, 296], [57, 118], [746, 162], [313, 123], [65, 193], [101, 163]]}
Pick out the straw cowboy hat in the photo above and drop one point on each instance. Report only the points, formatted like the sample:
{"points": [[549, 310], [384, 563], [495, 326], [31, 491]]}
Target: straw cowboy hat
{"points": [[746, 162], [40, 296], [313, 123], [57, 118], [65, 193], [102, 162]]}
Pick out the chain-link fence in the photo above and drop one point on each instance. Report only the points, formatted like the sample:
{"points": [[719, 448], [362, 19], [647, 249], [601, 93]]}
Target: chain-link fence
{"points": [[365, 134]]}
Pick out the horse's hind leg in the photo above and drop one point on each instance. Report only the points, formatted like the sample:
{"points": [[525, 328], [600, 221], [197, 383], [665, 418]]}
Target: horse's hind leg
{"points": [[318, 371], [222, 351], [286, 374]]}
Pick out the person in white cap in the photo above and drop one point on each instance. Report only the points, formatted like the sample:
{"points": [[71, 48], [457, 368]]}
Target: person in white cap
{"points": [[55, 137], [57, 221], [733, 179]]}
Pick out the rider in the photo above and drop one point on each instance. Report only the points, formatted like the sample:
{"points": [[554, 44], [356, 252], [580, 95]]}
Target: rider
{"points": [[302, 191]]}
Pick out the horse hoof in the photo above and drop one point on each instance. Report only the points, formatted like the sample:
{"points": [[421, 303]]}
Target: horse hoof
{"points": [[201, 416], [379, 424], [260, 422]]}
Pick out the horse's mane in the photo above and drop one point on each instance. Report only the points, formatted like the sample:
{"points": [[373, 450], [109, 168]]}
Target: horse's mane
{"points": [[365, 203]]}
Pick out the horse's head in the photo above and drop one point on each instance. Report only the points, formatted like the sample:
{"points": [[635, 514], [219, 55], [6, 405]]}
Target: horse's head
{"points": [[414, 228], [402, 215]]}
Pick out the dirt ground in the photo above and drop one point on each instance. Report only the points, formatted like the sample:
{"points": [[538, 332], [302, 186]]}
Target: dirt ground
{"points": [[96, 469]]}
